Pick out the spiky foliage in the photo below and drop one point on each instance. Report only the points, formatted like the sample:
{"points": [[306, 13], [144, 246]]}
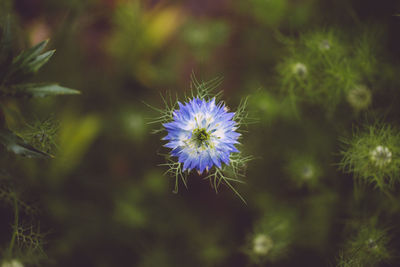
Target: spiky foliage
{"points": [[271, 237], [7, 195], [368, 245], [304, 170], [36, 141], [372, 155], [323, 67], [14, 73], [42, 134], [344, 262], [27, 241]]}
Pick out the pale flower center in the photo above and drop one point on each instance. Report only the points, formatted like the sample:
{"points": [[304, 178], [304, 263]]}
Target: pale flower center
{"points": [[262, 244], [381, 156]]}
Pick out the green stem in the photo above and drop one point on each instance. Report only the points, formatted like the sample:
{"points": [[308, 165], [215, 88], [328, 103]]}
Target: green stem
{"points": [[14, 236], [391, 197]]}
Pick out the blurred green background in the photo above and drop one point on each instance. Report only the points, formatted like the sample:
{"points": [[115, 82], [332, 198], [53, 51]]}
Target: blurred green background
{"points": [[104, 201]]}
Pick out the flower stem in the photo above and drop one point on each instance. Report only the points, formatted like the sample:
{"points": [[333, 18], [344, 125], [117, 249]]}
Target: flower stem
{"points": [[14, 235]]}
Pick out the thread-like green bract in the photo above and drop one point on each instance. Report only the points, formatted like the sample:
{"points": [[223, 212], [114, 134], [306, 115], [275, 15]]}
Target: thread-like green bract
{"points": [[372, 155]]}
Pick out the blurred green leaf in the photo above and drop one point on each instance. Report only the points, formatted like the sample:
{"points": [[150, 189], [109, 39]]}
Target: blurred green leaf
{"points": [[77, 133], [5, 41], [39, 61], [30, 54], [29, 61], [19, 146], [39, 90]]}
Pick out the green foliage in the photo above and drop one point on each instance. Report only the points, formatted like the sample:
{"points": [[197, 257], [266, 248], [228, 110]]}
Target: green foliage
{"points": [[271, 237], [304, 171], [128, 210], [12, 263], [273, 12], [25, 64], [11, 85], [204, 37], [234, 172], [359, 98], [28, 62], [26, 241], [8, 196], [372, 154], [30, 242], [138, 35], [133, 124], [269, 108], [38, 90], [26, 244], [19, 146], [323, 68], [42, 134], [368, 246], [76, 135], [5, 42]]}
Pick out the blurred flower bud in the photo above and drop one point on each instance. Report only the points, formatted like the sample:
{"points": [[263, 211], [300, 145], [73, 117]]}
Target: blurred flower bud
{"points": [[381, 156], [12, 263], [324, 45], [262, 244], [299, 69], [359, 98]]}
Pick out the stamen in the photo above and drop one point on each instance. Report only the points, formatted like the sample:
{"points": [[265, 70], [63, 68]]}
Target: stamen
{"points": [[200, 137]]}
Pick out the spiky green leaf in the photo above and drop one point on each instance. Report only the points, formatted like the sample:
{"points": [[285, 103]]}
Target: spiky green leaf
{"points": [[28, 62], [30, 54], [39, 90], [19, 146], [34, 65]]}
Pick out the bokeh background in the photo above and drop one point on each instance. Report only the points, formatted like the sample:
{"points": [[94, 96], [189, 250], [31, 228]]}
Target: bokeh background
{"points": [[104, 201]]}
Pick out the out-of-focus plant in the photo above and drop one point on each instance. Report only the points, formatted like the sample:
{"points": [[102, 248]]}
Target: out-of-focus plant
{"points": [[303, 170], [368, 245], [139, 34], [202, 37], [271, 237], [76, 134], [26, 245], [12, 263], [277, 12], [14, 71], [324, 68], [373, 155], [269, 107]]}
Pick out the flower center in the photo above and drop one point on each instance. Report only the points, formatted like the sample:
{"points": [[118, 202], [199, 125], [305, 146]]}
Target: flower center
{"points": [[262, 244], [200, 137], [381, 156]]}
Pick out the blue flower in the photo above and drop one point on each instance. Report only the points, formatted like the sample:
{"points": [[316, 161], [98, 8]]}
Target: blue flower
{"points": [[202, 134]]}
